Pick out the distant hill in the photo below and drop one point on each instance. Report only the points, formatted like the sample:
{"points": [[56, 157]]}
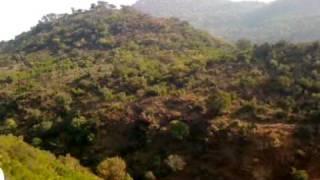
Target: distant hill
{"points": [[292, 20], [98, 29]]}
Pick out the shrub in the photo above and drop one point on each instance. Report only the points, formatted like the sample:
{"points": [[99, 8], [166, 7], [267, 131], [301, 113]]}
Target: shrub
{"points": [[283, 83], [275, 141], [34, 114], [81, 130], [63, 100], [36, 141], [10, 124], [175, 162], [77, 91], [20, 161], [78, 122], [46, 126], [219, 103], [91, 137], [299, 174], [179, 130], [157, 90], [248, 82], [106, 94], [113, 169], [150, 176], [252, 110], [248, 110]]}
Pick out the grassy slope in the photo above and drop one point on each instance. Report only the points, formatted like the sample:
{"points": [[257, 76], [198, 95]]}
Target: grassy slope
{"points": [[21, 161]]}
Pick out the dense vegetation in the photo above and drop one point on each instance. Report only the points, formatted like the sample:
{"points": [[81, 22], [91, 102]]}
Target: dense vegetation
{"points": [[133, 96], [292, 20], [21, 161]]}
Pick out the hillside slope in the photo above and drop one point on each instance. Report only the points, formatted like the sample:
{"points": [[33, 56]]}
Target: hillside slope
{"points": [[295, 21], [102, 29], [21, 161], [123, 91]]}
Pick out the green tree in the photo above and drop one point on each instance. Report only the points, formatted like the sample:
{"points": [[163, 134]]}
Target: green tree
{"points": [[179, 129]]}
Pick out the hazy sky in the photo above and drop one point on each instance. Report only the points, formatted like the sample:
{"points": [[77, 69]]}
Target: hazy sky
{"points": [[17, 16], [255, 0]]}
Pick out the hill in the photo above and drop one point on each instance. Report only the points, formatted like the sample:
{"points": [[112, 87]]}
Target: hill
{"points": [[99, 29], [160, 99], [21, 161], [279, 20]]}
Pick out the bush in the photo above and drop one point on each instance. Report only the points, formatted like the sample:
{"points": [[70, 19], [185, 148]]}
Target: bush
{"points": [[175, 162], [113, 169], [179, 130], [219, 103], [21, 161], [299, 174], [45, 126], [106, 93], [34, 114], [283, 83], [150, 176], [248, 110], [248, 82], [81, 130], [63, 100], [79, 122], [10, 124], [77, 91], [36, 141]]}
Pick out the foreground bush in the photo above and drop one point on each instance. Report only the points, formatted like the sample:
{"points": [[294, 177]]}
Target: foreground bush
{"points": [[299, 174], [20, 161], [113, 169]]}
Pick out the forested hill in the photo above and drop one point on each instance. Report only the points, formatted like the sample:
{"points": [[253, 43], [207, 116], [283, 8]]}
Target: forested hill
{"points": [[104, 28], [292, 20], [132, 96]]}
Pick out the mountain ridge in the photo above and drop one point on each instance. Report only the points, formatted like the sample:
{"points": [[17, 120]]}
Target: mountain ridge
{"points": [[107, 31], [255, 21]]}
